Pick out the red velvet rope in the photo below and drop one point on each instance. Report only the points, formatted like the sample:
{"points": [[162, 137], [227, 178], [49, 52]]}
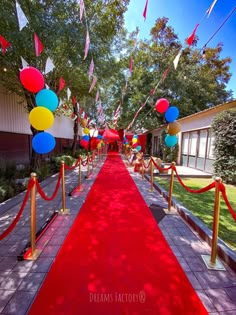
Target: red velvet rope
{"points": [[17, 218], [223, 192], [74, 166], [84, 163], [161, 168], [194, 191], [147, 164], [42, 193]]}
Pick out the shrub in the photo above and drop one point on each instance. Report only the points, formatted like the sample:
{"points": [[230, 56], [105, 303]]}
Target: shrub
{"points": [[224, 128], [56, 161]]}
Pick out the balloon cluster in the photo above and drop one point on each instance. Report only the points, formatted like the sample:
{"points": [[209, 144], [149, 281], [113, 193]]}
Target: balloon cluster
{"points": [[84, 142], [171, 114], [135, 143], [41, 116]]}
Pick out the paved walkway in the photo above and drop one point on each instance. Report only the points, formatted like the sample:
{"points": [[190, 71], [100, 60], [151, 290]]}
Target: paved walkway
{"points": [[20, 280]]}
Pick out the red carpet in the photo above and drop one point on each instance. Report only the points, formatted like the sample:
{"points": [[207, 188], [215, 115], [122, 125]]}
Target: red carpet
{"points": [[115, 260]]}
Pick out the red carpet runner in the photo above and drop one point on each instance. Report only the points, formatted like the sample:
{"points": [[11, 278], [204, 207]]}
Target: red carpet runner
{"points": [[115, 260]]}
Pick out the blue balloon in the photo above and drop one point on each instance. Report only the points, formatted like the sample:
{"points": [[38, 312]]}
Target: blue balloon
{"points": [[86, 137], [171, 141], [172, 114], [47, 98], [43, 142], [135, 136], [100, 137]]}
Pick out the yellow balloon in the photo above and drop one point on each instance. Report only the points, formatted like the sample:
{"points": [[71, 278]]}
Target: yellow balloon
{"points": [[134, 140], [83, 122], [41, 118], [99, 146], [86, 131]]}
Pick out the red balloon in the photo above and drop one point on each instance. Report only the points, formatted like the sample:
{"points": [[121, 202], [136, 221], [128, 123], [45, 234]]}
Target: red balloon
{"points": [[162, 105], [32, 79], [84, 144], [135, 145]]}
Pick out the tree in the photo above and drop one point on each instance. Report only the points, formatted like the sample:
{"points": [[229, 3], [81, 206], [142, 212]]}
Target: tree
{"points": [[224, 128], [63, 35], [197, 84]]}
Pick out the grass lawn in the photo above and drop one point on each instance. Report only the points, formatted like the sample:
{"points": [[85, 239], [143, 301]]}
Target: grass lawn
{"points": [[202, 205]]}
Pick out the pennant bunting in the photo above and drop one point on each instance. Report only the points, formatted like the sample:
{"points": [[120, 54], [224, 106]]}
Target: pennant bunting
{"points": [[74, 100], [211, 8], [97, 95], [47, 87], [24, 63], [5, 44], [68, 94], [93, 84], [81, 7], [191, 37], [49, 66], [116, 115], [22, 19], [86, 49], [176, 60], [91, 69], [145, 10], [152, 92], [131, 65], [165, 74], [60, 102], [38, 45], [62, 84], [74, 117]]}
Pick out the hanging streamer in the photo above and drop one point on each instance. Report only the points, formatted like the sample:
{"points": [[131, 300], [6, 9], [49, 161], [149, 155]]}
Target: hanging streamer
{"points": [[62, 84], [145, 10], [86, 49], [91, 69], [93, 84], [211, 8], [191, 37]]}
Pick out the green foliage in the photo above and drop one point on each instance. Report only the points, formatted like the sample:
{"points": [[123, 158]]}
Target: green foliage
{"points": [[224, 128], [56, 161], [7, 169]]}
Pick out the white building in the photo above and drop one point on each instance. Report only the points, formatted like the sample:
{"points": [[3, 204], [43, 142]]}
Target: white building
{"points": [[196, 140]]}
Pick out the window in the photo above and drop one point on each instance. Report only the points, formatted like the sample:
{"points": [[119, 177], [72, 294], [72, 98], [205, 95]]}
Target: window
{"points": [[202, 143], [210, 146], [193, 143], [185, 143]]}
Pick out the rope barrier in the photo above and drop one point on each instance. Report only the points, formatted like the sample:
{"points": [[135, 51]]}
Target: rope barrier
{"points": [[160, 168], [223, 192], [17, 218], [42, 193], [74, 166], [194, 191]]}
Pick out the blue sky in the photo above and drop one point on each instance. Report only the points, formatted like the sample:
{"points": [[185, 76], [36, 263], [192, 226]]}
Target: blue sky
{"points": [[183, 16]]}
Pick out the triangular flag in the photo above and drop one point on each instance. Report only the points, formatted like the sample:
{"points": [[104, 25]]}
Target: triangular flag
{"points": [[91, 69], [165, 74], [81, 7], [38, 45], [24, 63], [93, 84], [47, 87], [97, 96], [211, 8], [60, 102], [62, 83], [4, 43], [145, 10], [68, 93], [22, 19], [191, 37], [176, 60], [86, 49], [152, 92], [49, 66]]}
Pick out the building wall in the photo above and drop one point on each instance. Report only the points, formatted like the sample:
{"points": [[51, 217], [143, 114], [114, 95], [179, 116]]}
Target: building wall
{"points": [[15, 133]]}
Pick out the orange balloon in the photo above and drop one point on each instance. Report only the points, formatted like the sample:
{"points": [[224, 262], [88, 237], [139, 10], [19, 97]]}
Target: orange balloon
{"points": [[173, 128], [83, 122]]}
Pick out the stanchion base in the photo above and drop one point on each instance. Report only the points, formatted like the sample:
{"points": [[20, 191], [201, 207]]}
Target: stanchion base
{"points": [[35, 255], [64, 212], [172, 211], [75, 191], [151, 190], [217, 266]]}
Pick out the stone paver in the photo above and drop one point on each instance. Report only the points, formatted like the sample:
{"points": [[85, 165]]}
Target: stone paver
{"points": [[20, 280]]}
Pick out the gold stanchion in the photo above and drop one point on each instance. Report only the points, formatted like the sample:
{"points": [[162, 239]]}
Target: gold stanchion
{"points": [[34, 253], [171, 187], [151, 176], [142, 168], [63, 210], [87, 177], [211, 261]]}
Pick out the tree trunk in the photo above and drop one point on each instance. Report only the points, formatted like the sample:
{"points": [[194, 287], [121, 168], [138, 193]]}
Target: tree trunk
{"points": [[76, 131], [35, 159]]}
